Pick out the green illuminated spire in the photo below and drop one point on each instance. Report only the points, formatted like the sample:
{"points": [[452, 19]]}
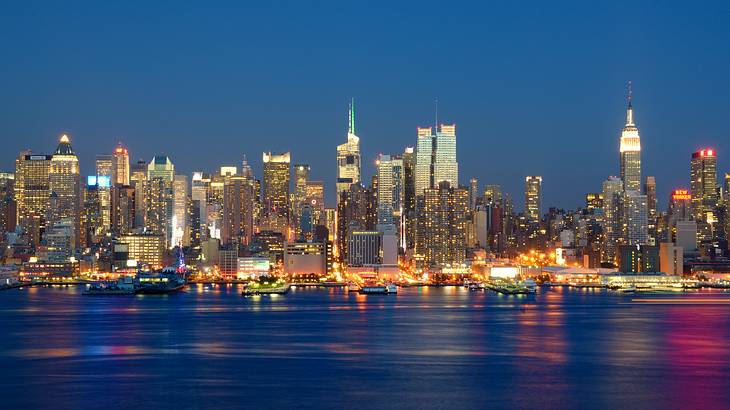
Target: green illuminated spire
{"points": [[351, 119]]}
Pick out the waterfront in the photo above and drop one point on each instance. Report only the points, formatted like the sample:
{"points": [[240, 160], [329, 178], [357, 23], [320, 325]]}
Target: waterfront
{"points": [[445, 347]]}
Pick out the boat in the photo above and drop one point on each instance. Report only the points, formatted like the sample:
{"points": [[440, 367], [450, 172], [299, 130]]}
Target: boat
{"points": [[353, 287], [123, 286], [267, 286], [529, 285], [160, 282], [627, 289], [378, 289]]}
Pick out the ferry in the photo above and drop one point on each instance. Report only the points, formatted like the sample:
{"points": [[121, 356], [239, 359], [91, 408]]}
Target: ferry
{"points": [[379, 289], [167, 280], [123, 286], [267, 286]]}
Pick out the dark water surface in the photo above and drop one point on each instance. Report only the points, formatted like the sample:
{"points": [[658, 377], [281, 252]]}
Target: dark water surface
{"points": [[324, 348]]}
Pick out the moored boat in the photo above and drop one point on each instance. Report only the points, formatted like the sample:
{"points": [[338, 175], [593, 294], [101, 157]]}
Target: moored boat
{"points": [[167, 280], [123, 286], [267, 286]]}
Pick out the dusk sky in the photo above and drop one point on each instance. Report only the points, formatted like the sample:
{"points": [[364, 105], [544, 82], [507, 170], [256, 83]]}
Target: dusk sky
{"points": [[535, 89]]}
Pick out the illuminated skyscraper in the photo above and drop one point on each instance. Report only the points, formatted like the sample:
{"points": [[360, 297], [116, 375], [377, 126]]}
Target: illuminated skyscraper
{"points": [[315, 198], [301, 176], [473, 193], [238, 198], [348, 156], [138, 179], [630, 151], [32, 192], [703, 187], [612, 216], [123, 209], [442, 225], [105, 175], [409, 198], [424, 160], [159, 198], [121, 165], [65, 183], [650, 192], [436, 157], [276, 192], [533, 197], [390, 189], [635, 219], [180, 228]]}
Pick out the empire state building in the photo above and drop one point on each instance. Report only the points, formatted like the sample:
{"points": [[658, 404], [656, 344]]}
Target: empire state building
{"points": [[630, 151]]}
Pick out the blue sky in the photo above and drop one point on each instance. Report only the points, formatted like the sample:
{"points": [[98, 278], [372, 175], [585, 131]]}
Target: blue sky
{"points": [[534, 87]]}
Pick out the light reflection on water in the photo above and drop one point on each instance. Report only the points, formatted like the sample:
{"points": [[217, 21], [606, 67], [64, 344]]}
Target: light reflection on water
{"points": [[326, 348]]}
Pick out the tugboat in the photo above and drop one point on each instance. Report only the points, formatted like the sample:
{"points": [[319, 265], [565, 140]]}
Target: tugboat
{"points": [[123, 286], [267, 285]]}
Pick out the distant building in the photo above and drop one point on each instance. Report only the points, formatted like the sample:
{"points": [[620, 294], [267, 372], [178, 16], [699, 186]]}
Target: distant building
{"points": [[533, 197], [364, 248], [145, 248], [671, 259], [639, 258], [442, 225], [276, 192], [305, 258]]}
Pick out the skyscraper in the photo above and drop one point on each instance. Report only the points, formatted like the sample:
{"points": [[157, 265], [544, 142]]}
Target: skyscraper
{"points": [[612, 216], [121, 165], [473, 193], [301, 176], [159, 198], [635, 219], [442, 225], [409, 198], [436, 157], [181, 233], [348, 156], [237, 225], [650, 192], [703, 188], [276, 192], [630, 150], [65, 183], [533, 197], [105, 178], [32, 193], [390, 189]]}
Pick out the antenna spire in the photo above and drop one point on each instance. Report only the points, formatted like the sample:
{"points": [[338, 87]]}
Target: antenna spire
{"points": [[436, 119], [629, 108], [351, 117]]}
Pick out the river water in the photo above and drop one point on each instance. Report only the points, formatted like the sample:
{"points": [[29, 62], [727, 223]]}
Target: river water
{"points": [[424, 348]]}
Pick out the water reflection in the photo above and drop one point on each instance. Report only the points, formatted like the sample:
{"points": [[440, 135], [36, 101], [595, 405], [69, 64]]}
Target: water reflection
{"points": [[327, 348]]}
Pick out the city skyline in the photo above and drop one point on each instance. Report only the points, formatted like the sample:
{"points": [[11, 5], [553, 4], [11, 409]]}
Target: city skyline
{"points": [[571, 103], [664, 193]]}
